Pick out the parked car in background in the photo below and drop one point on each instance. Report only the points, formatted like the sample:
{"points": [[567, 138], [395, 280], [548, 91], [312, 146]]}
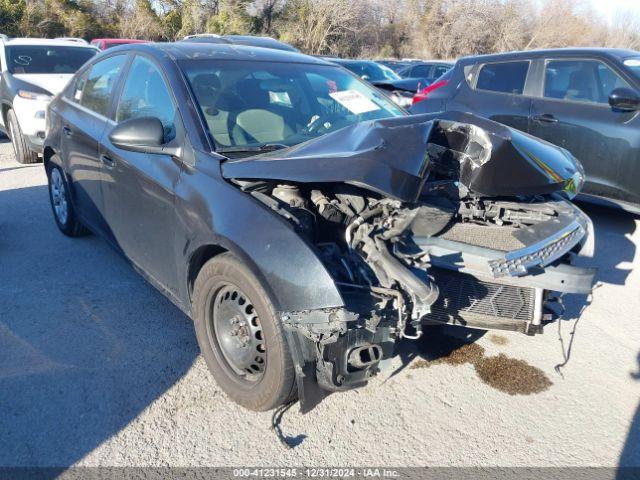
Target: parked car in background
{"points": [[105, 43], [257, 41], [247, 40], [366, 69], [73, 39], [394, 65], [305, 222], [400, 90], [425, 72], [403, 91], [584, 100], [205, 38], [32, 71]]}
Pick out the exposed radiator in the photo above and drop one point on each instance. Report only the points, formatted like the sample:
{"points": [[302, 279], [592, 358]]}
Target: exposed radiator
{"points": [[467, 300]]}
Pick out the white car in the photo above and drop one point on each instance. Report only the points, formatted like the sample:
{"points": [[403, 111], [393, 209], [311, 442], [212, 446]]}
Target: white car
{"points": [[32, 71]]}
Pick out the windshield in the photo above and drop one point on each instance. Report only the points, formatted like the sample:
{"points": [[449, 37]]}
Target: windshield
{"points": [[46, 59], [253, 104], [633, 66], [371, 71]]}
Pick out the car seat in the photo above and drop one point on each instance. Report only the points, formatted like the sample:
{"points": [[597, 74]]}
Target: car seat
{"points": [[257, 121], [580, 87]]}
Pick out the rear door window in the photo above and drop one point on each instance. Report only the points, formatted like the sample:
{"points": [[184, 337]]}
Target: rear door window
{"points": [[504, 77], [589, 81], [94, 88]]}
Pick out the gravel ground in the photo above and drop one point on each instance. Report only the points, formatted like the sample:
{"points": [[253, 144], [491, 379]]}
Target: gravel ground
{"points": [[98, 368]]}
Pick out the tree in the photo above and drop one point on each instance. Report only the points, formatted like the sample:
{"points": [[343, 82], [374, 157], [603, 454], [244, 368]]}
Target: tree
{"points": [[265, 11], [142, 22], [323, 26], [11, 12]]}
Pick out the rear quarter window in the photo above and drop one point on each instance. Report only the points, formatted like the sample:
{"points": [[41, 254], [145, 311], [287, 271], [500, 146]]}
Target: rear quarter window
{"points": [[503, 77]]}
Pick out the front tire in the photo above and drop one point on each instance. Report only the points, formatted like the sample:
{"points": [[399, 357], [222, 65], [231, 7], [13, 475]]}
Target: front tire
{"points": [[23, 153], [240, 336], [63, 211]]}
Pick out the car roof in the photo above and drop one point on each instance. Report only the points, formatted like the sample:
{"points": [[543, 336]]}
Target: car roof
{"points": [[47, 42], [220, 51], [429, 63], [259, 41], [615, 53], [120, 40], [349, 60]]}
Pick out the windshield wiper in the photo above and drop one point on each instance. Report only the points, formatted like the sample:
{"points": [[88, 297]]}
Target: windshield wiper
{"points": [[267, 147]]}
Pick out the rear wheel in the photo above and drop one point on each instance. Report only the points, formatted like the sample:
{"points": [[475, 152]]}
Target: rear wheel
{"points": [[23, 153], [240, 336], [63, 211]]}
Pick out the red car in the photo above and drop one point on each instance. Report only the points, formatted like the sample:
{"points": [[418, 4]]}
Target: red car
{"points": [[104, 43]]}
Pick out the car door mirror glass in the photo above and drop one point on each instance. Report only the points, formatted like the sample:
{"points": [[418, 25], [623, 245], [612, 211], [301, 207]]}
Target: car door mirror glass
{"points": [[624, 99], [141, 134]]}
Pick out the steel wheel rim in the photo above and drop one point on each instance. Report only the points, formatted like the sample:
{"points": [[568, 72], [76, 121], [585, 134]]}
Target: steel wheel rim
{"points": [[59, 196], [238, 333]]}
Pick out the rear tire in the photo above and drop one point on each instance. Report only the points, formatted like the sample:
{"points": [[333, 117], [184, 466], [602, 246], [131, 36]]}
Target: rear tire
{"points": [[24, 154], [63, 211], [240, 335]]}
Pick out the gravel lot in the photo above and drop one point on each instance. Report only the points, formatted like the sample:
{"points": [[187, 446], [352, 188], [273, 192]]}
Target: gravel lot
{"points": [[97, 368]]}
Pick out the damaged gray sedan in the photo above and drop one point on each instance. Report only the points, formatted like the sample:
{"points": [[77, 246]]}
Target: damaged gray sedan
{"points": [[305, 222]]}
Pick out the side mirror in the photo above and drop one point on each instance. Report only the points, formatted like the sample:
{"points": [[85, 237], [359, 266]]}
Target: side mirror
{"points": [[624, 99], [142, 134], [365, 77]]}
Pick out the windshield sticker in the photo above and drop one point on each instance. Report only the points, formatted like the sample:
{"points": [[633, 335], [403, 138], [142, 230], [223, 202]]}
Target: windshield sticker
{"points": [[354, 101], [632, 62], [24, 60]]}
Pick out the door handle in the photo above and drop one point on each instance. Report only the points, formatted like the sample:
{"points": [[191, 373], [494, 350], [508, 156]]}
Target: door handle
{"points": [[67, 130], [545, 118], [107, 161]]}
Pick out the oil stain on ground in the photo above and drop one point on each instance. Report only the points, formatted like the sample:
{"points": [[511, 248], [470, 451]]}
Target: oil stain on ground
{"points": [[498, 339], [503, 373]]}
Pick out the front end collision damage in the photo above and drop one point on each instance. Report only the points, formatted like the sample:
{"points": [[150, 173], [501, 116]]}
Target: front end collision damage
{"points": [[421, 220]]}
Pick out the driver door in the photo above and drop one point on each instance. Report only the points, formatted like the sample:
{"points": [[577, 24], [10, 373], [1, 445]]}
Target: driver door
{"points": [[139, 187], [574, 113]]}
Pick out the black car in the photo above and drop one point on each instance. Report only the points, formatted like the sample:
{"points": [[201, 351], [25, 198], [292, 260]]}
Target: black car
{"points": [[425, 72], [395, 65], [584, 100], [415, 77], [305, 222], [400, 90]]}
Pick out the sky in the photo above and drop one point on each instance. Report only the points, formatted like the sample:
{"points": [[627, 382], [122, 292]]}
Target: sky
{"points": [[609, 7]]}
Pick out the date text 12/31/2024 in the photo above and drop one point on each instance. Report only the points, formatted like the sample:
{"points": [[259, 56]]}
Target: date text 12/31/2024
{"points": [[315, 472]]}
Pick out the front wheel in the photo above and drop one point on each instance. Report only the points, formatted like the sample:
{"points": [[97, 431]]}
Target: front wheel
{"points": [[21, 149], [240, 336], [63, 212]]}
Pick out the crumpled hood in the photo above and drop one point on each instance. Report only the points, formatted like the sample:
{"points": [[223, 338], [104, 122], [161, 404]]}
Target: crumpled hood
{"points": [[388, 156], [53, 83], [394, 156]]}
